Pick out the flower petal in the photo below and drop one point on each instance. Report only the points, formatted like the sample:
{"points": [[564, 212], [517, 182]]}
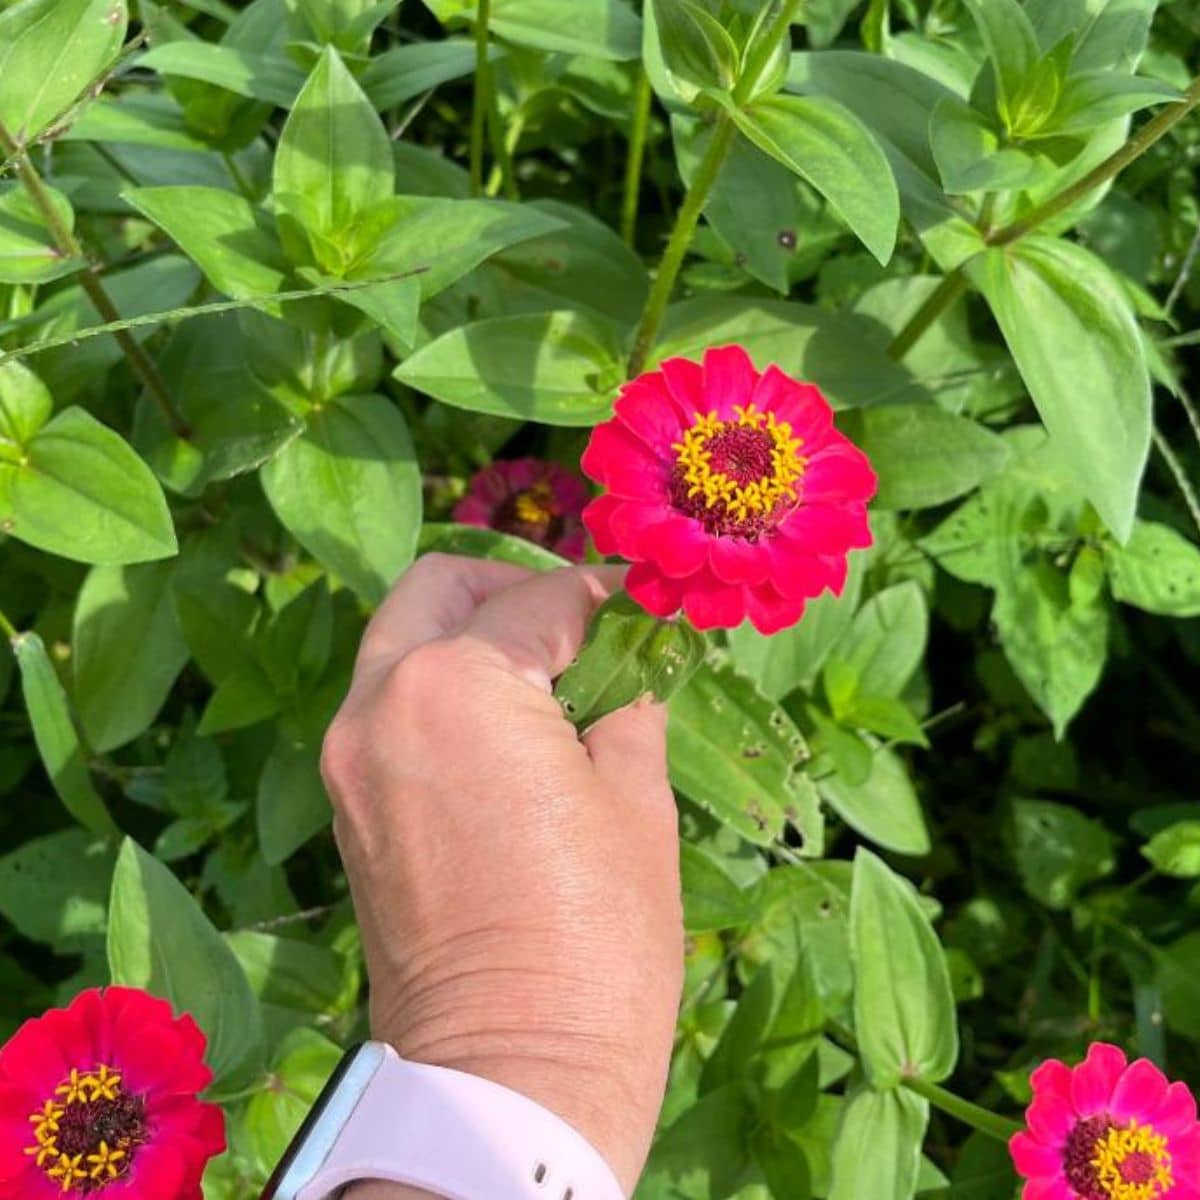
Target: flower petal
{"points": [[679, 546], [801, 405], [729, 379], [32, 1058], [632, 526], [735, 560], [826, 529], [1139, 1092], [1034, 1159], [471, 510], [838, 473], [653, 590], [1048, 1189], [769, 612], [685, 385], [711, 604], [647, 408], [1092, 1082], [1176, 1112], [624, 464], [800, 576], [597, 519]]}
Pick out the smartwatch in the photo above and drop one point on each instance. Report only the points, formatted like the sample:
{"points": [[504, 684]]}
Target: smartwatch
{"points": [[455, 1135]]}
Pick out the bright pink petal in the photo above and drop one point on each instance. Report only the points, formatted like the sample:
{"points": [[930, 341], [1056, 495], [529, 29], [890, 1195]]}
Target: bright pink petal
{"points": [[470, 510], [1176, 1112], [597, 519], [825, 529], [1034, 1159], [153, 1062], [1048, 1189], [1093, 1081], [633, 527], [711, 604], [769, 612], [679, 546], [32, 1059], [520, 473], [624, 464], [801, 576], [836, 474], [1052, 1078], [569, 491], [1139, 1092], [684, 380], [159, 1170], [801, 405], [572, 546], [736, 561], [1051, 1119], [647, 408], [653, 590], [729, 379]]}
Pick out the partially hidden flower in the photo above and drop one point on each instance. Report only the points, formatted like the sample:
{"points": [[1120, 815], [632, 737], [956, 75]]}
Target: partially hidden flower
{"points": [[99, 1099], [1108, 1129], [530, 498], [730, 492]]}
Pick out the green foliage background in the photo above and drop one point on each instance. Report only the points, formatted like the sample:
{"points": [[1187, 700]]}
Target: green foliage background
{"points": [[344, 254]]}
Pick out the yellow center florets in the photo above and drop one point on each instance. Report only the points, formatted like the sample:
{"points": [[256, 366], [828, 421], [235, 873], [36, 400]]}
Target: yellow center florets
{"points": [[535, 505], [737, 475], [85, 1135], [1133, 1163]]}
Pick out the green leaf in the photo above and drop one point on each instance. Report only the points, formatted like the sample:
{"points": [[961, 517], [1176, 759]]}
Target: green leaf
{"points": [[233, 243], [403, 72], [735, 753], [712, 898], [1012, 46], [80, 491], [883, 807], [268, 77], [25, 406], [292, 806], [1176, 851], [57, 742], [824, 143], [1069, 326], [600, 28], [50, 51], [160, 940], [558, 368], [1177, 973], [28, 253], [708, 1145], [1057, 850], [303, 976], [127, 650], [1158, 570], [923, 455], [486, 543], [333, 164], [1093, 98], [627, 654], [904, 1014], [886, 640], [54, 889], [696, 49], [877, 1151], [972, 156], [301, 1066], [349, 490]]}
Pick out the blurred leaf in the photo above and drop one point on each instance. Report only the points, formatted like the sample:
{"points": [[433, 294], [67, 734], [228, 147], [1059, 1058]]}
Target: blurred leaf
{"points": [[160, 940], [1057, 850], [1176, 851], [28, 253], [886, 640], [292, 806], [1157, 570], [486, 543], [904, 1015], [1012, 47], [712, 898], [696, 49], [605, 28], [877, 1150], [884, 807]]}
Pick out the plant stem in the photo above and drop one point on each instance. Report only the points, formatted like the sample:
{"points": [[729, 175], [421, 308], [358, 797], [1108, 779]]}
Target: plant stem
{"points": [[757, 62], [8, 628], [642, 96], [681, 239], [1181, 479], [962, 1110], [70, 246], [955, 282], [483, 89]]}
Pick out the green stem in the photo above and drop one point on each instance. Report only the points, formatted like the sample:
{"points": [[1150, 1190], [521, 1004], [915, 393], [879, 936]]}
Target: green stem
{"points": [[1180, 475], [962, 1110], [483, 90], [642, 96], [955, 283], [8, 628], [945, 294], [502, 174], [70, 246], [680, 241], [765, 47], [238, 177]]}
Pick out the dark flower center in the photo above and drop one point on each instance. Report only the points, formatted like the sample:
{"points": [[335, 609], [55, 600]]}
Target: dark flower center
{"points": [[737, 478], [531, 513], [1106, 1161], [86, 1136]]}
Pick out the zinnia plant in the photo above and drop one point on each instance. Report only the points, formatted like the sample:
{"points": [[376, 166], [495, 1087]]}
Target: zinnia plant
{"points": [[729, 490], [100, 1099], [1108, 1129], [529, 498]]}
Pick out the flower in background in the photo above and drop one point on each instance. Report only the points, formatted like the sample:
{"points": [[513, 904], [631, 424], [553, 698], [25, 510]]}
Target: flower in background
{"points": [[1108, 1130], [99, 1099], [730, 492], [539, 501]]}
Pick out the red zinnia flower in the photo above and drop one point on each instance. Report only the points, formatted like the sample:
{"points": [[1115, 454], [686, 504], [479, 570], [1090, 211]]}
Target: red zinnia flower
{"points": [[1108, 1130], [730, 491], [99, 1099], [536, 500]]}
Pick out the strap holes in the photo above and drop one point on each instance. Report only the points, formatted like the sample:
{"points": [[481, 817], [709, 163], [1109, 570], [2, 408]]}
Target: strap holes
{"points": [[540, 1172]]}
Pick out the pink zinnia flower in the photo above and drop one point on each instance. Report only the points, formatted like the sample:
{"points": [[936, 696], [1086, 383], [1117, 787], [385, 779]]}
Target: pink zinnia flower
{"points": [[99, 1099], [730, 491], [536, 500], [1108, 1130]]}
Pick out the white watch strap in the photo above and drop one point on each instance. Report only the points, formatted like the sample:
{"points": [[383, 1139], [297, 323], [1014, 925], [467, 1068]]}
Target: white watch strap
{"points": [[462, 1138]]}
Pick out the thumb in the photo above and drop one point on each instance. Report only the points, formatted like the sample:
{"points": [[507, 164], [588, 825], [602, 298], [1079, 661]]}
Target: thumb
{"points": [[629, 750]]}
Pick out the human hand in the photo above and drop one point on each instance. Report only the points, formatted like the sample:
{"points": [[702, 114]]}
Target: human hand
{"points": [[517, 887]]}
